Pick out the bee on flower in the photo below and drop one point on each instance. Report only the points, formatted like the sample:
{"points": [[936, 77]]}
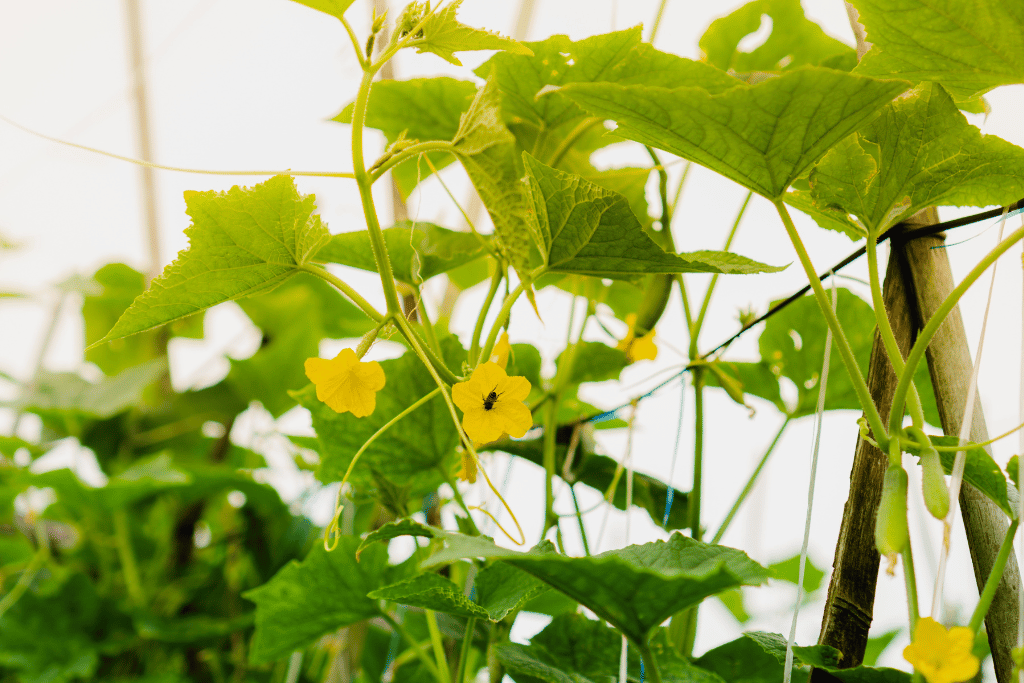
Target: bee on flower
{"points": [[491, 401]]}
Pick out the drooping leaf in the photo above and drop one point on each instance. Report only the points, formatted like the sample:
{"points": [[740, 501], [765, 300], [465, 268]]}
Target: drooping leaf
{"points": [[757, 657], [487, 151], [418, 251], [430, 591], [763, 136], [422, 108], [584, 229], [336, 8], [789, 570], [241, 242], [571, 649], [794, 40], [324, 592], [443, 35], [969, 46], [920, 152], [412, 450], [980, 471], [634, 588]]}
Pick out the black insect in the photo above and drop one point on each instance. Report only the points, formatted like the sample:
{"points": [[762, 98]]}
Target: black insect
{"points": [[491, 398]]}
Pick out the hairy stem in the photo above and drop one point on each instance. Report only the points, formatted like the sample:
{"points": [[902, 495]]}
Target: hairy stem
{"points": [[994, 577], [478, 329]]}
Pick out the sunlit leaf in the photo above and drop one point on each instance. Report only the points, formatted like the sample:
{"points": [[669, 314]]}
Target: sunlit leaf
{"points": [[443, 35]]}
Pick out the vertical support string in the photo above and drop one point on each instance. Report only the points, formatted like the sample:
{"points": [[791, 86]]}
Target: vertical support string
{"points": [[960, 461], [1020, 448], [818, 415]]}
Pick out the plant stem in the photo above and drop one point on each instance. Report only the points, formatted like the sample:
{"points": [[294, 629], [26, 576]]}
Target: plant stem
{"points": [[550, 428], [910, 578], [571, 139], [39, 559], [352, 294], [686, 301], [467, 646], [651, 670], [408, 153], [849, 360], [750, 484], [459, 499], [415, 646], [695, 330], [127, 556], [994, 577], [698, 452], [438, 645], [478, 329], [506, 308], [657, 21], [889, 343], [935, 322], [579, 519], [365, 184]]}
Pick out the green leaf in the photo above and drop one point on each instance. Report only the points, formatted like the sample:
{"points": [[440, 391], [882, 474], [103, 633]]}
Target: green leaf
{"points": [[422, 108], [877, 645], [1013, 470], [757, 657], [799, 197], [969, 46], [762, 136], [502, 589], [443, 35], [336, 8], [487, 151], [418, 251], [595, 362], [732, 600], [598, 471], [117, 286], [64, 400], [789, 570], [430, 591], [633, 588], [413, 451], [524, 360], [55, 638], [980, 471], [571, 649], [241, 242], [584, 229], [404, 527], [794, 40], [324, 592], [920, 152]]}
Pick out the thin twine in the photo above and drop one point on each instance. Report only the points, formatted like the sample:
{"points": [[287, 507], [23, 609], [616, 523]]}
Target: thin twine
{"points": [[818, 419], [623, 660], [965, 431]]}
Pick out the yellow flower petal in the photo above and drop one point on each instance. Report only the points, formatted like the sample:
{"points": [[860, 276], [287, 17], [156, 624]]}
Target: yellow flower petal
{"points": [[942, 656], [500, 354], [642, 348], [345, 383], [491, 403]]}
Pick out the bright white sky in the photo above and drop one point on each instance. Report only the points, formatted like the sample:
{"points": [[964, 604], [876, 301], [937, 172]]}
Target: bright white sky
{"points": [[251, 84]]}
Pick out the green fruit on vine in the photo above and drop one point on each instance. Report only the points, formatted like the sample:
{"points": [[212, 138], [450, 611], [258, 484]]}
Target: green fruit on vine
{"points": [[933, 484], [891, 532]]}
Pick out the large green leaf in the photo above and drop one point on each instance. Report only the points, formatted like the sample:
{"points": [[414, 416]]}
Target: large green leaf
{"points": [[422, 108], [634, 588], [443, 35], [794, 40], [241, 242], [418, 251], [571, 649], [324, 592], [587, 230], [920, 152], [501, 589], [758, 657], [980, 471], [413, 451], [594, 362], [430, 591], [969, 46], [762, 136]]}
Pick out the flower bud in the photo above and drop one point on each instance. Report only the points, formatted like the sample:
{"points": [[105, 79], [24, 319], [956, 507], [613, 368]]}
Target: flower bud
{"points": [[891, 532], [933, 484]]}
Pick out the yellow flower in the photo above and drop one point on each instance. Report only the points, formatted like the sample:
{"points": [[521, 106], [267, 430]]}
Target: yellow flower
{"points": [[345, 383], [942, 656], [492, 404], [637, 348], [468, 470]]}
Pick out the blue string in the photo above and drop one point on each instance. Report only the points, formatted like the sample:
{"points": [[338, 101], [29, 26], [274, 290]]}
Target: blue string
{"points": [[675, 452], [1008, 215], [641, 671], [610, 414]]}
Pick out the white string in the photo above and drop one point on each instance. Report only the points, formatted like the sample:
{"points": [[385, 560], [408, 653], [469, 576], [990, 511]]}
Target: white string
{"points": [[818, 415], [961, 456], [1020, 448], [629, 505]]}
